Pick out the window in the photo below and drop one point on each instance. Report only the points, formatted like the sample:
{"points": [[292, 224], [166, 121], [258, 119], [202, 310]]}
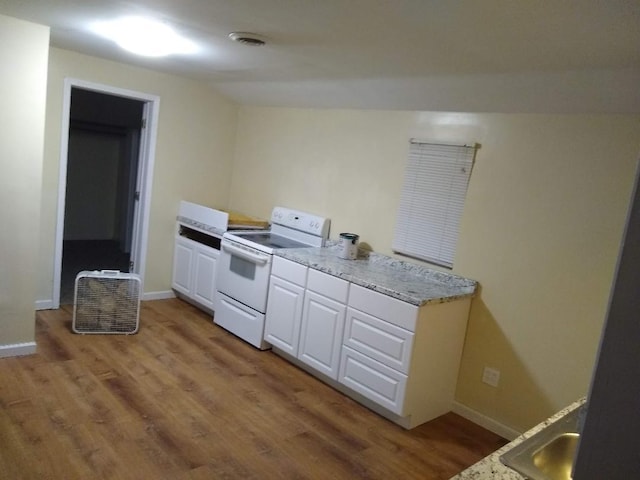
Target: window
{"points": [[432, 200]]}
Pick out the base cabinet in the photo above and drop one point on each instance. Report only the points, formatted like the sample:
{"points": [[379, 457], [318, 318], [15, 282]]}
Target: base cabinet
{"points": [[396, 358], [402, 357], [194, 271], [305, 315]]}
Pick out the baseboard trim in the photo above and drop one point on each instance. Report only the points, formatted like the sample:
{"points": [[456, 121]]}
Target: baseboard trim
{"points": [[485, 422], [17, 349], [44, 304], [158, 295], [48, 304]]}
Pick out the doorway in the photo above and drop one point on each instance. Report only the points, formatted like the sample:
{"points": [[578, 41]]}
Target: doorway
{"points": [[108, 142], [102, 166]]}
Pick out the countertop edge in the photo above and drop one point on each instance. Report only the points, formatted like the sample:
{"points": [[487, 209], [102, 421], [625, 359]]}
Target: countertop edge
{"points": [[326, 260], [491, 468], [217, 232]]}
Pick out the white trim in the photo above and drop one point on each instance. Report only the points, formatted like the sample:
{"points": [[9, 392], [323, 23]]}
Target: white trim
{"points": [[485, 422], [148, 146], [158, 295], [146, 164], [17, 349], [44, 304]]}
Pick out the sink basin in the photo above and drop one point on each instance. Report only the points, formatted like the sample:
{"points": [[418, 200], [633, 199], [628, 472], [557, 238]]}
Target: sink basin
{"points": [[555, 459], [548, 454]]}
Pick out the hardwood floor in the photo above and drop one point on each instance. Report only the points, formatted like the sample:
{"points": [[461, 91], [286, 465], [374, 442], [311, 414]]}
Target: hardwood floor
{"points": [[184, 399]]}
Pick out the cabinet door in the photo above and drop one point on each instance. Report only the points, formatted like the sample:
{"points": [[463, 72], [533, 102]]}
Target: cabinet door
{"points": [[321, 334], [373, 380], [204, 286], [284, 311], [183, 258]]}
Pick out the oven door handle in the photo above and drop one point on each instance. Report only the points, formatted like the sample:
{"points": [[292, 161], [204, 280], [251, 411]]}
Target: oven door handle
{"points": [[249, 256]]}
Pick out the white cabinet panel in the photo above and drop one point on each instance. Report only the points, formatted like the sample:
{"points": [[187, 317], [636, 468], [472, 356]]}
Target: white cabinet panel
{"points": [[328, 286], [321, 335], [183, 266], [375, 381], [284, 313], [392, 310], [194, 271], [291, 271], [204, 288], [380, 340]]}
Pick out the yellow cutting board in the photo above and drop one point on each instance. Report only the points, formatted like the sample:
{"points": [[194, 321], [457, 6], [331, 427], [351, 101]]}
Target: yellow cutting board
{"points": [[239, 219]]}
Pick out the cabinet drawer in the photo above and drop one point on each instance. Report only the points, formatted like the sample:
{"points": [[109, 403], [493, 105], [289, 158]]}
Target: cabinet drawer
{"points": [[291, 271], [392, 310], [328, 285], [383, 341], [379, 383]]}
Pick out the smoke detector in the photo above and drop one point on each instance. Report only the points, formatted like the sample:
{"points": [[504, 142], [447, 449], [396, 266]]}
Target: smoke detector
{"points": [[246, 38]]}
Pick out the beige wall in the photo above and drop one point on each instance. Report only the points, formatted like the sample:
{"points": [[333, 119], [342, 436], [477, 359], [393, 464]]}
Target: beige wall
{"points": [[540, 232], [194, 150], [23, 56]]}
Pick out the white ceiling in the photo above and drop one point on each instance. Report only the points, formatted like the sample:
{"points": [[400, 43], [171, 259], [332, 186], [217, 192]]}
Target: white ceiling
{"points": [[461, 55]]}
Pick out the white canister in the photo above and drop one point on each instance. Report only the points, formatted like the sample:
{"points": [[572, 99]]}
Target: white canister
{"points": [[348, 246]]}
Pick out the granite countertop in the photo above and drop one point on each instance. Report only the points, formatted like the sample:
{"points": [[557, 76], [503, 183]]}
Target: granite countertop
{"points": [[405, 281], [490, 467], [217, 232]]}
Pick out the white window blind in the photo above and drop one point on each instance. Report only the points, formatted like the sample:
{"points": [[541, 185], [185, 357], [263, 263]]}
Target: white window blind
{"points": [[432, 200]]}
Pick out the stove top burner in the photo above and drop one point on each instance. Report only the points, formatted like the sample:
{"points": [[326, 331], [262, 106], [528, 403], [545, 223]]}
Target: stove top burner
{"points": [[268, 239]]}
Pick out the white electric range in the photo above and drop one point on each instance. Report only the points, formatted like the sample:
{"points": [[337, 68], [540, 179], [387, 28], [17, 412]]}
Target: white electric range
{"points": [[244, 268]]}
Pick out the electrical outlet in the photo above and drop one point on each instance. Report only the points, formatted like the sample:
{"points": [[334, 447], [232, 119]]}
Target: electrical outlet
{"points": [[491, 376]]}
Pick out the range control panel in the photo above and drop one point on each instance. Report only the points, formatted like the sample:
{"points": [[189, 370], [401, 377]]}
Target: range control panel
{"points": [[304, 222]]}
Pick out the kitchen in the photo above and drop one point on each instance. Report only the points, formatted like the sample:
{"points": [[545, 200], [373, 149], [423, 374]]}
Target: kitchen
{"points": [[541, 232]]}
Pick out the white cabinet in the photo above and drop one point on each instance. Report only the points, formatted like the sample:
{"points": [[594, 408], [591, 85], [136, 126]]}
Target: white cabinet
{"points": [[323, 322], [401, 357], [305, 315], [194, 267], [284, 305]]}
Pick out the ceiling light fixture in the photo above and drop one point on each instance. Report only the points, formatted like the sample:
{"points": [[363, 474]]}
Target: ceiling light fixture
{"points": [[246, 38], [144, 37]]}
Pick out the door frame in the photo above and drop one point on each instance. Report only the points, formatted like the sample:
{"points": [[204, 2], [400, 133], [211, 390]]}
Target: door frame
{"points": [[146, 160]]}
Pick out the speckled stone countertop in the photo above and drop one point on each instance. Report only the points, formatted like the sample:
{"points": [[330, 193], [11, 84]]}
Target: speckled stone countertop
{"points": [[216, 232], [490, 468], [405, 281]]}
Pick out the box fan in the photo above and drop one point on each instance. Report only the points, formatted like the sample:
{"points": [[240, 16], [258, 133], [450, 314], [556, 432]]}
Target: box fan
{"points": [[106, 301]]}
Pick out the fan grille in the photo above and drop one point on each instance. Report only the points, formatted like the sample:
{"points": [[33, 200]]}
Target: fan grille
{"points": [[106, 303]]}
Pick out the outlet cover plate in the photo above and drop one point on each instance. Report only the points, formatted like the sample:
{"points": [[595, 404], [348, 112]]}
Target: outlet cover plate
{"points": [[491, 376]]}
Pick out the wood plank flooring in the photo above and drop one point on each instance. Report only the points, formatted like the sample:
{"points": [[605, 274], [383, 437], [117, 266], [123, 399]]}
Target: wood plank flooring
{"points": [[184, 399]]}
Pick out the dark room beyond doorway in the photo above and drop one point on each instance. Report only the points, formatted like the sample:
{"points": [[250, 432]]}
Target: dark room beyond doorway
{"points": [[102, 178]]}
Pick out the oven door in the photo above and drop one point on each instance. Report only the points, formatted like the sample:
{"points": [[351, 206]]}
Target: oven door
{"points": [[243, 274]]}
